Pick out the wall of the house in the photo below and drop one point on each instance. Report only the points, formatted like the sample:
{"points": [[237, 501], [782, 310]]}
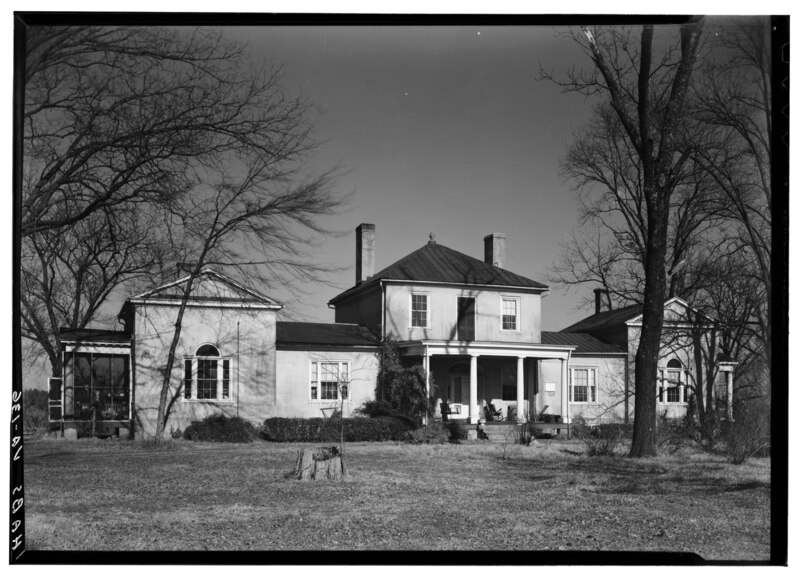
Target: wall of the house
{"points": [[673, 346], [363, 309], [251, 350], [293, 381], [443, 314], [549, 387], [610, 403]]}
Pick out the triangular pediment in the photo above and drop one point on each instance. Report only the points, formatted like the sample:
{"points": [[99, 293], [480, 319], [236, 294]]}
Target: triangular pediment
{"points": [[208, 287], [676, 310]]}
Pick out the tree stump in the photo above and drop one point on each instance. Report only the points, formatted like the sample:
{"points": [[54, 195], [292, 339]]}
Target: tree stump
{"points": [[320, 464]]}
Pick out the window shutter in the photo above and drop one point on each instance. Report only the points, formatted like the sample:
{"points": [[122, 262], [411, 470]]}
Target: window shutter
{"points": [[187, 379]]}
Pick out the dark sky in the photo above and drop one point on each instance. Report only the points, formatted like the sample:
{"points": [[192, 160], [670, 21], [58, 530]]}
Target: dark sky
{"points": [[440, 129]]}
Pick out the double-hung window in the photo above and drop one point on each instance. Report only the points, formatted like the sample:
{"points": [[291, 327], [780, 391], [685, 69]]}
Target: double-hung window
{"points": [[673, 384], [330, 381], [419, 310], [510, 314], [207, 375], [583, 385]]}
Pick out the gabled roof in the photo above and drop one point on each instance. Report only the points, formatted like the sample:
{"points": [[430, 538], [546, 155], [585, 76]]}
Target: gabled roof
{"points": [[65, 334], [208, 286], [332, 334], [434, 263], [632, 314], [605, 319], [583, 342], [673, 312]]}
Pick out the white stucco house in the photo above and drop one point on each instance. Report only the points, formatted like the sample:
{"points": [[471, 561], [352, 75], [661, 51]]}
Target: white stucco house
{"points": [[475, 327]]}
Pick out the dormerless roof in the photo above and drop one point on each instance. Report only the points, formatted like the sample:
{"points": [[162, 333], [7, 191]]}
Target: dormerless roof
{"points": [[605, 319], [303, 333], [434, 263], [93, 335], [583, 342]]}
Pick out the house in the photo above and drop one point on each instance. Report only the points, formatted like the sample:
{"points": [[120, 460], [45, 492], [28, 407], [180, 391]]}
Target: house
{"points": [[473, 325]]}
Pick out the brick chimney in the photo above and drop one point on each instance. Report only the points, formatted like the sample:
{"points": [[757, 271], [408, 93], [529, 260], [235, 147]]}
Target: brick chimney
{"points": [[365, 252], [602, 302], [494, 249]]}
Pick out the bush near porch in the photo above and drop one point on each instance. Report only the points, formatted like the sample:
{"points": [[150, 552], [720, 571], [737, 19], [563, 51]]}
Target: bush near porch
{"points": [[196, 496]]}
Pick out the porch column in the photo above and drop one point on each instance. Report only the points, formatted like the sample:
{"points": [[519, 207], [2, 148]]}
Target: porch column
{"points": [[564, 388], [426, 364], [521, 418], [729, 402], [474, 410]]}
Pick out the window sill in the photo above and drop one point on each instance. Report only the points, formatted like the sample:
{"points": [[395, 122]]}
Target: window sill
{"points": [[328, 401], [584, 402], [217, 401]]}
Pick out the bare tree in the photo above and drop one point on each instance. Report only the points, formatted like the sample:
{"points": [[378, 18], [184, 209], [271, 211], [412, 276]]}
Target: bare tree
{"points": [[610, 247], [734, 113], [173, 123], [251, 219], [68, 274], [647, 88], [118, 115]]}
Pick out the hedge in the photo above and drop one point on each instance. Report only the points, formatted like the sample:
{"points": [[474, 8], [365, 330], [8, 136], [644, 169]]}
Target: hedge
{"points": [[356, 429], [221, 428]]}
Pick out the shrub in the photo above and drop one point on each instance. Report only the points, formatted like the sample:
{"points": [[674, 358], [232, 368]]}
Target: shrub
{"points": [[35, 418], [600, 440], [382, 408], [221, 428], [749, 435], [433, 433], [356, 429]]}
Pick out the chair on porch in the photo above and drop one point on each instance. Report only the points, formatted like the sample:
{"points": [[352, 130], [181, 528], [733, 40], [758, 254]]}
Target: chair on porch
{"points": [[493, 414], [445, 410]]}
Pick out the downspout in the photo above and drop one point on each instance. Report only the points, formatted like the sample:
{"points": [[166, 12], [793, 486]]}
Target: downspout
{"points": [[383, 310], [427, 381], [237, 369], [569, 414]]}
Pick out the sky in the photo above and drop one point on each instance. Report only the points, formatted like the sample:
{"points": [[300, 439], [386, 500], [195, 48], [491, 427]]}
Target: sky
{"points": [[447, 130], [443, 130]]}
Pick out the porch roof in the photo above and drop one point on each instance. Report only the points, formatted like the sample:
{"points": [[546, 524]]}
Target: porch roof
{"points": [[86, 335], [486, 348]]}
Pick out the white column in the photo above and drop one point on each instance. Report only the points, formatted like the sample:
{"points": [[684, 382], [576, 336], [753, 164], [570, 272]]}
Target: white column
{"points": [[474, 410], [729, 375], [564, 388], [520, 389], [426, 364]]}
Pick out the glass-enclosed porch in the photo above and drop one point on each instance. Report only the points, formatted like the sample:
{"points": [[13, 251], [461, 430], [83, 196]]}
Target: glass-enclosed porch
{"points": [[94, 395]]}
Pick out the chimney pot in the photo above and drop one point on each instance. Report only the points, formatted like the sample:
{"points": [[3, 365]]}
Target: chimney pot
{"points": [[494, 249], [365, 252]]}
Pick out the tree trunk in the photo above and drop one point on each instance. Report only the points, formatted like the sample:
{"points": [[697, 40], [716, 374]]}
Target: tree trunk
{"points": [[646, 372], [319, 464]]}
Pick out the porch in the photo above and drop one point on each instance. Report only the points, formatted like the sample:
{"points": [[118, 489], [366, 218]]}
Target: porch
{"points": [[491, 381]]}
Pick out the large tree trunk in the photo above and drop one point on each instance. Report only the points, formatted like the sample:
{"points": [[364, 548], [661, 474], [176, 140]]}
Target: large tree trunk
{"points": [[646, 372]]}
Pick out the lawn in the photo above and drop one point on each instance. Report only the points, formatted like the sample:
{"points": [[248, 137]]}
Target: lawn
{"points": [[120, 495]]}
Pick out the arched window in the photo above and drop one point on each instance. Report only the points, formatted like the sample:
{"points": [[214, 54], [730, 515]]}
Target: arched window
{"points": [[673, 386], [206, 375]]}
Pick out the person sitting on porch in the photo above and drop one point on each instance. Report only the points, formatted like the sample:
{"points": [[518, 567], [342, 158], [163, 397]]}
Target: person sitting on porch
{"points": [[492, 414]]}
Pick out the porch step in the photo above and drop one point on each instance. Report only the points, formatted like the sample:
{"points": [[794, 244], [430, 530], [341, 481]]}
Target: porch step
{"points": [[501, 432]]}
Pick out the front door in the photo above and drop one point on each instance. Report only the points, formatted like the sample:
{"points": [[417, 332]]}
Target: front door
{"points": [[466, 319], [458, 395]]}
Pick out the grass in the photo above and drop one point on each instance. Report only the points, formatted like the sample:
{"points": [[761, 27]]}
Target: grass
{"points": [[120, 495]]}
